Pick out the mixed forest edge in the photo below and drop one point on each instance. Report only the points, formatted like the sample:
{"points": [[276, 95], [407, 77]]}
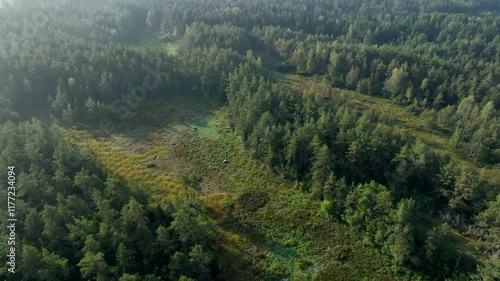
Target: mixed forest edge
{"points": [[279, 75]]}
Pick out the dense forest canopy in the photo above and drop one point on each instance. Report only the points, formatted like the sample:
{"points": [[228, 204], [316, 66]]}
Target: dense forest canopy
{"points": [[68, 63]]}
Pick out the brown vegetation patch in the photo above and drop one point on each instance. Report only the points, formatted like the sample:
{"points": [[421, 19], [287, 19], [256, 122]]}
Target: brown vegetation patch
{"points": [[253, 200]]}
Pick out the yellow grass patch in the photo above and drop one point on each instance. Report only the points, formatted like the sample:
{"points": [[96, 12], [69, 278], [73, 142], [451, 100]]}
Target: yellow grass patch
{"points": [[411, 124], [128, 165]]}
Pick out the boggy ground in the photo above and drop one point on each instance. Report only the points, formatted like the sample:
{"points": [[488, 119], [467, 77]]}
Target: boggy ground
{"points": [[267, 229]]}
